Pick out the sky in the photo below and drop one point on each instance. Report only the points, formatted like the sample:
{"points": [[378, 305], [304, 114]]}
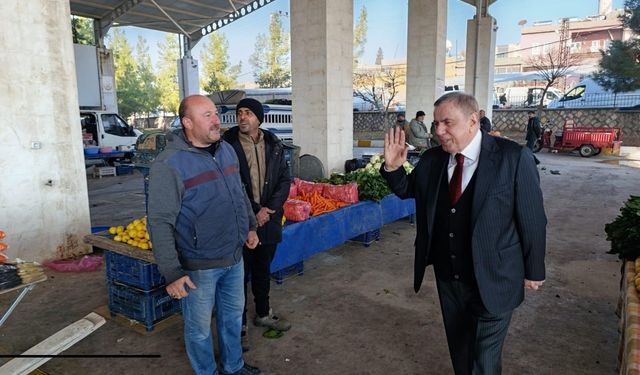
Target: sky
{"points": [[387, 26]]}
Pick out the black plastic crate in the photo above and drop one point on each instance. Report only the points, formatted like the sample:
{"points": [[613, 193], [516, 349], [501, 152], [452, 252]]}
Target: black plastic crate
{"points": [[368, 237], [133, 272], [146, 307]]}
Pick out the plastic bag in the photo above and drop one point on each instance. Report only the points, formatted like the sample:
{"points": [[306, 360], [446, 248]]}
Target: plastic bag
{"points": [[306, 187], [87, 263], [344, 193], [293, 191], [297, 210]]}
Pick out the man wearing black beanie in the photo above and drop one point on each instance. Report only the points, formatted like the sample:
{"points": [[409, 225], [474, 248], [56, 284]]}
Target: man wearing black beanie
{"points": [[254, 106], [265, 175]]}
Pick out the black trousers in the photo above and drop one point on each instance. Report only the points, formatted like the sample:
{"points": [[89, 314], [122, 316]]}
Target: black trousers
{"points": [[257, 271], [475, 336]]}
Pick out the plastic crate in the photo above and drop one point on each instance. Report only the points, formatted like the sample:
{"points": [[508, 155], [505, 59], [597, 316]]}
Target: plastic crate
{"points": [[123, 169], [294, 269], [146, 307], [131, 271], [368, 237]]}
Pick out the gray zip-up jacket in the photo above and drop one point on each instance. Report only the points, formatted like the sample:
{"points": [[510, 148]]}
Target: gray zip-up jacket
{"points": [[199, 215]]}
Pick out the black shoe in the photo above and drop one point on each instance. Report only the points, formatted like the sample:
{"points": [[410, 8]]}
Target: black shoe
{"points": [[247, 370]]}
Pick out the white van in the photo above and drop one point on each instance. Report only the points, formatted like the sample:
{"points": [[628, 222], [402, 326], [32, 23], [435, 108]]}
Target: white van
{"points": [[530, 96], [105, 129], [588, 93]]}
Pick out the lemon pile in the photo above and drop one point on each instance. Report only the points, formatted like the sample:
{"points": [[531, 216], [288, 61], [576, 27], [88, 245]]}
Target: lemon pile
{"points": [[134, 234]]}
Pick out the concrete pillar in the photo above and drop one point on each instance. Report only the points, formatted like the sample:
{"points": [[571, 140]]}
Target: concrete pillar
{"points": [[44, 207], [479, 70], [426, 55], [322, 80]]}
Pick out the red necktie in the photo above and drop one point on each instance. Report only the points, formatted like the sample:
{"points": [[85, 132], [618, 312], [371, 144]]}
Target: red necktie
{"points": [[455, 185]]}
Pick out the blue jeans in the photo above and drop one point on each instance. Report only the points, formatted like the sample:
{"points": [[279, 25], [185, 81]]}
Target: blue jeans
{"points": [[223, 288]]}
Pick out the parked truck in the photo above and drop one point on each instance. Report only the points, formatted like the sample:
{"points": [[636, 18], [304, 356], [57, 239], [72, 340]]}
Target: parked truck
{"points": [[102, 128]]}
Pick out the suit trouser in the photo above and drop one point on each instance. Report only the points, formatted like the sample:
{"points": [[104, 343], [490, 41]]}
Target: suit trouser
{"points": [[475, 336], [257, 270]]}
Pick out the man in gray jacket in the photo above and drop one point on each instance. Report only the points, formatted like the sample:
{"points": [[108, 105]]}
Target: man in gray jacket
{"points": [[418, 135], [199, 218]]}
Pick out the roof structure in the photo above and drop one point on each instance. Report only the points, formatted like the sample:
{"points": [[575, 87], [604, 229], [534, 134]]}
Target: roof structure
{"points": [[191, 18]]}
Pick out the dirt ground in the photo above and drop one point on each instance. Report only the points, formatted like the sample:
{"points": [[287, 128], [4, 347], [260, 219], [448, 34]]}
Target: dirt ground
{"points": [[354, 310]]}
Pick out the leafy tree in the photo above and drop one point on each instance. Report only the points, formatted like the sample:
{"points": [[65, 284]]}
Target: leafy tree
{"points": [[82, 29], [218, 73], [360, 36], [378, 86], [552, 66], [379, 56], [169, 53], [270, 58], [149, 99], [620, 65], [128, 85]]}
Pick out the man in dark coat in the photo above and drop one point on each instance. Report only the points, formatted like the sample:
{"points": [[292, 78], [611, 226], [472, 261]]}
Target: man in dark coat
{"points": [[266, 178], [480, 223], [533, 132], [485, 123]]}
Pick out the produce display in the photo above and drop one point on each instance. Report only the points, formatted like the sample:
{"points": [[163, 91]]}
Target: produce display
{"points": [[134, 234], [3, 247], [320, 204], [623, 231], [17, 271], [371, 185]]}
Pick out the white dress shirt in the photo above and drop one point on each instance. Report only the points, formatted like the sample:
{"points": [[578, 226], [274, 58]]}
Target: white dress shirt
{"points": [[471, 156]]}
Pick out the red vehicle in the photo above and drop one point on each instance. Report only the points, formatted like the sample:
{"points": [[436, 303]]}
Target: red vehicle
{"points": [[588, 141]]}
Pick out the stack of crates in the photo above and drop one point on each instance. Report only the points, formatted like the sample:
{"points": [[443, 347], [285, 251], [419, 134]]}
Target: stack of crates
{"points": [[137, 290]]}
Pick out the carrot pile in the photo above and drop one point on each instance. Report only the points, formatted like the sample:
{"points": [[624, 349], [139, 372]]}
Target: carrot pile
{"points": [[320, 204]]}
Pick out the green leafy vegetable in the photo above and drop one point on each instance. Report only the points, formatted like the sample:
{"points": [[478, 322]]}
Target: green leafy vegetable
{"points": [[624, 231]]}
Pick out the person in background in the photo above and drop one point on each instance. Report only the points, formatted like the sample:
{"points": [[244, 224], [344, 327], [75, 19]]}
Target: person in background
{"points": [[199, 218], [485, 123], [480, 222], [418, 136], [533, 132], [265, 174], [434, 140], [503, 100], [401, 121]]}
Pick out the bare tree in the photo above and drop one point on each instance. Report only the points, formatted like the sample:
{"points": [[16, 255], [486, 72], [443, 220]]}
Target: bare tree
{"points": [[378, 86], [551, 66]]}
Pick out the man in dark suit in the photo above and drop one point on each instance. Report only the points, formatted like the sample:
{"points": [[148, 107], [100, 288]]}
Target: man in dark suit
{"points": [[480, 222]]}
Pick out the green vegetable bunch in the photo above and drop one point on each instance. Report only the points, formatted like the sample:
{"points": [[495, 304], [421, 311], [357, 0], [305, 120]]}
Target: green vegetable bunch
{"points": [[371, 185], [624, 231]]}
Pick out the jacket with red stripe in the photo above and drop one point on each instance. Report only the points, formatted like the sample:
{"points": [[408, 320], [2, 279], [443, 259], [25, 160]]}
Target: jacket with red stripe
{"points": [[199, 215]]}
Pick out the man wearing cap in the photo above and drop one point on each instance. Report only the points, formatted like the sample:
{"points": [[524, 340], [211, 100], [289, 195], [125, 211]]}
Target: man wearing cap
{"points": [[418, 135], [266, 178]]}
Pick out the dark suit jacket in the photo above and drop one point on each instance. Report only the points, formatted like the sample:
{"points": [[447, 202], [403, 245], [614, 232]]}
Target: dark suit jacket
{"points": [[508, 220]]}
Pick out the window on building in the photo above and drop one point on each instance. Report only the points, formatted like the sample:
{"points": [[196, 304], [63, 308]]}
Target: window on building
{"points": [[535, 50], [546, 48], [595, 45]]}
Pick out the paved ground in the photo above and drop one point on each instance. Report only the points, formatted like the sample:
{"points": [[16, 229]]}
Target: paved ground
{"points": [[354, 310]]}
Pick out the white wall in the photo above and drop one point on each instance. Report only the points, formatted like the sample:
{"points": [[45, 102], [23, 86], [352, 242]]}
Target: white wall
{"points": [[38, 103]]}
